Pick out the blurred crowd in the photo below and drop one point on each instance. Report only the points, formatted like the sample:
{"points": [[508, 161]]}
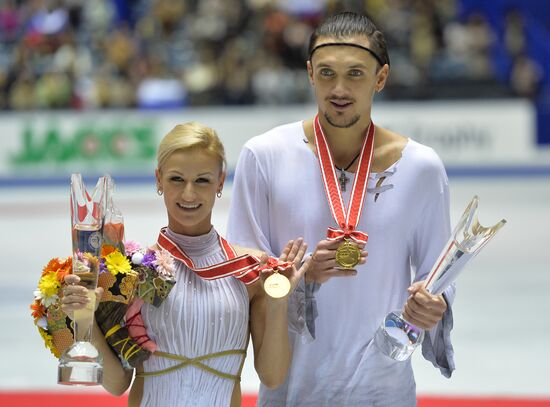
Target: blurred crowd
{"points": [[165, 53]]}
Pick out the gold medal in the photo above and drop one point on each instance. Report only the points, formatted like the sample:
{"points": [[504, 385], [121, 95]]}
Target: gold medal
{"points": [[277, 285], [348, 254]]}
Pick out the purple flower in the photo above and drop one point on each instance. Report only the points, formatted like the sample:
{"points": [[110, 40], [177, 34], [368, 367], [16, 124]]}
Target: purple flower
{"points": [[102, 266], [149, 259]]}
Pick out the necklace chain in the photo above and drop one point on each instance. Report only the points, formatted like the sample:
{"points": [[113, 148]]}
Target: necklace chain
{"points": [[343, 178], [350, 164]]}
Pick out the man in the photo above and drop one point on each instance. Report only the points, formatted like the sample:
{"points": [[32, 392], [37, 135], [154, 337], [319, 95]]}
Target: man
{"points": [[299, 179]]}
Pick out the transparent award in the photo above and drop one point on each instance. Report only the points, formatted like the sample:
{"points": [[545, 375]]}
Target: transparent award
{"points": [[81, 363], [396, 337]]}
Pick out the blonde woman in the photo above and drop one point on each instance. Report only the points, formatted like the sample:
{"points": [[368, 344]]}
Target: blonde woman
{"points": [[200, 318]]}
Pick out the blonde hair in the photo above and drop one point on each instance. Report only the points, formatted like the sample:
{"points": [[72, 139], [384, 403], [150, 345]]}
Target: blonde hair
{"points": [[191, 135]]}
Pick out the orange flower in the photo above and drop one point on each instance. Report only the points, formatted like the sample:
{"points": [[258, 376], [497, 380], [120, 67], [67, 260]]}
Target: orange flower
{"points": [[67, 264], [107, 249], [38, 310], [61, 275], [65, 268], [52, 266]]}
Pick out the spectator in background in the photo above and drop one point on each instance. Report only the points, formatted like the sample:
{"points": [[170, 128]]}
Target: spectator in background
{"points": [[526, 77], [480, 42], [514, 33], [9, 21], [526, 74], [202, 45]]}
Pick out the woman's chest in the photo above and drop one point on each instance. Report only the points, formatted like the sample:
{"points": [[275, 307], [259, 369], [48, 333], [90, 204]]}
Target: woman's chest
{"points": [[200, 308]]}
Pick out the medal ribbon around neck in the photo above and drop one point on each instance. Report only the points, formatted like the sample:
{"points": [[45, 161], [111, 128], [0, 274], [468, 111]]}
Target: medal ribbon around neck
{"points": [[245, 268], [347, 220]]}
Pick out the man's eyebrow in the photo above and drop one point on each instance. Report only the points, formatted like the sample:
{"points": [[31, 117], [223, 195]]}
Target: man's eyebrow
{"points": [[323, 64]]}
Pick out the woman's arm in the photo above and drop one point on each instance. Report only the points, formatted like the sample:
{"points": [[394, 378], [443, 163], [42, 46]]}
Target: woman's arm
{"points": [[269, 330], [116, 379], [269, 322]]}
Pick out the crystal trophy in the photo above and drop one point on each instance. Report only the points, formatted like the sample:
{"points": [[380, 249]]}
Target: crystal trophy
{"points": [[81, 363], [398, 338], [113, 221]]}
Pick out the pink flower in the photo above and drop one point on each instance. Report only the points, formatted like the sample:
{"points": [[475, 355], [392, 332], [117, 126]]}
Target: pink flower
{"points": [[165, 263], [131, 246]]}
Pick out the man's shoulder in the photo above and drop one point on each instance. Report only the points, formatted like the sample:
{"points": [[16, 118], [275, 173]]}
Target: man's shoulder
{"points": [[423, 162], [423, 153], [419, 159], [395, 147], [276, 137]]}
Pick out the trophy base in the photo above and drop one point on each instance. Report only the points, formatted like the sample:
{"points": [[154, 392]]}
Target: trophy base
{"points": [[80, 365], [80, 374], [396, 338]]}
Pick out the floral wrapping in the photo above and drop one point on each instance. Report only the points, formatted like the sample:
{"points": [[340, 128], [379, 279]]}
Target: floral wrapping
{"points": [[146, 275]]}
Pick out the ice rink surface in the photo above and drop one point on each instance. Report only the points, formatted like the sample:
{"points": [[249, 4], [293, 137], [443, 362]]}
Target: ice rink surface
{"points": [[502, 309]]}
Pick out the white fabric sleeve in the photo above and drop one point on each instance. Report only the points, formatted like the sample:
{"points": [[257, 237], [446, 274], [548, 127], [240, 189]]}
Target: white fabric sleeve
{"points": [[248, 223], [431, 235], [248, 226]]}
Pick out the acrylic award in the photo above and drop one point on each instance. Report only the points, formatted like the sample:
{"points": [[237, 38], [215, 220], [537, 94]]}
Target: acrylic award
{"points": [[81, 363], [396, 337]]}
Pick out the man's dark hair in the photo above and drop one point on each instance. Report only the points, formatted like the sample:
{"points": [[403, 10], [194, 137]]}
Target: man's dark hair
{"points": [[348, 24]]}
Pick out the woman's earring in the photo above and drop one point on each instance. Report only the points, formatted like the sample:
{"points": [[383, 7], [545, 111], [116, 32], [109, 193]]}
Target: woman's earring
{"points": [[219, 194], [159, 192]]}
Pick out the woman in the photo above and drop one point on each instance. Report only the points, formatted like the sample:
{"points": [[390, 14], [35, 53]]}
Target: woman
{"points": [[200, 317]]}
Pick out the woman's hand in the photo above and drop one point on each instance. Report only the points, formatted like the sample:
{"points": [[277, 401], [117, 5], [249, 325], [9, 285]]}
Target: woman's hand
{"points": [[294, 252], [75, 296]]}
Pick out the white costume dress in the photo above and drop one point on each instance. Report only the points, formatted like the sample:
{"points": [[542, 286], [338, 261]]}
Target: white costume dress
{"points": [[199, 317], [278, 195]]}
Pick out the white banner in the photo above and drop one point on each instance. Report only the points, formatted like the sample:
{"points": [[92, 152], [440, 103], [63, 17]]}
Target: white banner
{"points": [[46, 144], [467, 133]]}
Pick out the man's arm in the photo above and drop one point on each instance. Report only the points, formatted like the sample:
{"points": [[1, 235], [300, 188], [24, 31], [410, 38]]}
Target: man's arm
{"points": [[433, 312], [248, 223], [249, 226]]}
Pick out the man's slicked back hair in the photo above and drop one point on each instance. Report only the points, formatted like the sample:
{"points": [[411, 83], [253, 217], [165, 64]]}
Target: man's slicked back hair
{"points": [[348, 24]]}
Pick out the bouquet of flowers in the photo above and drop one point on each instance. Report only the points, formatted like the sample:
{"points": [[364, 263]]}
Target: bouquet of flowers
{"points": [[133, 275], [129, 274]]}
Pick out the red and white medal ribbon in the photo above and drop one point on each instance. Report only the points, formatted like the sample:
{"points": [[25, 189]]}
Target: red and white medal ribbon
{"points": [[275, 265], [346, 220], [244, 268]]}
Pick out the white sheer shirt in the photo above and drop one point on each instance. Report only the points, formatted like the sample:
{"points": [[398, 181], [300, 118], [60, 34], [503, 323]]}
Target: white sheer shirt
{"points": [[278, 195]]}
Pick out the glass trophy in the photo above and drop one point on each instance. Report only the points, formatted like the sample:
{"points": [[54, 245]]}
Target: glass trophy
{"points": [[81, 363], [113, 221], [398, 338]]}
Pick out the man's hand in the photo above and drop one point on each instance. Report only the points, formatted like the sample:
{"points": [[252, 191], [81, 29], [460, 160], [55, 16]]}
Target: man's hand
{"points": [[323, 264], [422, 308]]}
